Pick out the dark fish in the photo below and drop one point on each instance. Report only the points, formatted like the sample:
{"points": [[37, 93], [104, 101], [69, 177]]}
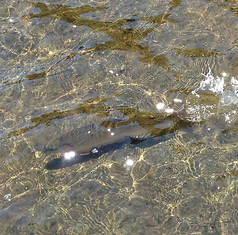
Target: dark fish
{"points": [[97, 145], [110, 140], [94, 153]]}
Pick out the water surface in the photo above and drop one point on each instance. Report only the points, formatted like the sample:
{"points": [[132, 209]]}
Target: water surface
{"points": [[70, 70]]}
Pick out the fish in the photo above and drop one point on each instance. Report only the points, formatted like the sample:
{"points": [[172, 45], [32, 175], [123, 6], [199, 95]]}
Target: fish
{"points": [[212, 100], [96, 145], [109, 140], [94, 153]]}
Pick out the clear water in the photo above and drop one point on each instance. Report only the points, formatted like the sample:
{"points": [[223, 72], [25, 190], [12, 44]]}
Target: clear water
{"points": [[70, 69]]}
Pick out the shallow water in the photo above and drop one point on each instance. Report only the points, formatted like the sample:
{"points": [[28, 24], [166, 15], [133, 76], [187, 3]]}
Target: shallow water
{"points": [[70, 70]]}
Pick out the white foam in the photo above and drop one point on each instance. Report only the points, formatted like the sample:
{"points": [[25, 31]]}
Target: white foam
{"points": [[215, 85]]}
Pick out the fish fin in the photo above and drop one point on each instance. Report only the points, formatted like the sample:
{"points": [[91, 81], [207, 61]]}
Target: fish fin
{"points": [[136, 140]]}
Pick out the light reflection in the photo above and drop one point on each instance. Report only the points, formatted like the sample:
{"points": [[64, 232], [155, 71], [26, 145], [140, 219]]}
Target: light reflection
{"points": [[176, 100], [7, 197], [234, 81], [129, 163], [224, 74], [94, 150], [69, 155], [169, 111], [160, 106]]}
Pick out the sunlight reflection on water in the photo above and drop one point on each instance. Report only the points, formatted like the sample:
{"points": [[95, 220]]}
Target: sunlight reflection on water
{"points": [[84, 75]]}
